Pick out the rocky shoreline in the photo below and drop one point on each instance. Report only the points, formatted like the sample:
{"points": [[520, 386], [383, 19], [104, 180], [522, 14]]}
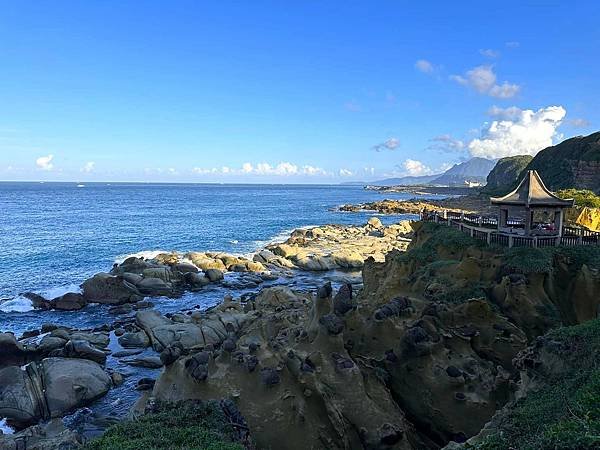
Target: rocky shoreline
{"points": [[442, 335], [475, 204], [139, 336]]}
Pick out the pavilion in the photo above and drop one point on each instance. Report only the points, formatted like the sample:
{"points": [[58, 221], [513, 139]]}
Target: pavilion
{"points": [[531, 209]]}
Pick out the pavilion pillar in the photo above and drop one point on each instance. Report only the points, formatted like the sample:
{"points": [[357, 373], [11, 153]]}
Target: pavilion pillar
{"points": [[528, 221], [561, 217]]}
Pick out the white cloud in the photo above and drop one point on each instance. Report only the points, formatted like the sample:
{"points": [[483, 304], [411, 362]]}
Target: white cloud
{"points": [[45, 162], [510, 113], [527, 133], [579, 122], [370, 170], [346, 173], [262, 169], [489, 53], [416, 168], [389, 144], [447, 143], [512, 44], [88, 167], [312, 170], [424, 66], [483, 80]]}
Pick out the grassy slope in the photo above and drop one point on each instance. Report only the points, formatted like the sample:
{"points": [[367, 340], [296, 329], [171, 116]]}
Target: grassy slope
{"points": [[565, 414], [186, 426]]}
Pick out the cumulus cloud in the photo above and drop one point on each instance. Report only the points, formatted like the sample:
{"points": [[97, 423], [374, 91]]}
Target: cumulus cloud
{"points": [[312, 170], [482, 79], [45, 162], [346, 173], [447, 143], [261, 169], [390, 144], [88, 167], [489, 53], [510, 113], [424, 66], [527, 133], [416, 168]]}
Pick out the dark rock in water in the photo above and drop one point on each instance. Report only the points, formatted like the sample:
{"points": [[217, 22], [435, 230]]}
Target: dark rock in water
{"points": [[332, 323], [68, 384], [145, 384], [325, 291], [120, 310], [155, 287], [37, 301], [213, 275], [48, 327], [134, 339], [44, 436], [150, 362], [11, 350], [124, 353], [269, 376], [30, 333], [109, 289], [143, 304], [82, 349], [70, 301]]}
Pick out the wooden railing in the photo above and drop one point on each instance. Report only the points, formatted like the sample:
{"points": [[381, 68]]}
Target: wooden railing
{"points": [[485, 229]]}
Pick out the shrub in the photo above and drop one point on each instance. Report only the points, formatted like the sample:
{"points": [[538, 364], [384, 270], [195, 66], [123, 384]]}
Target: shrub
{"points": [[582, 197], [183, 426]]}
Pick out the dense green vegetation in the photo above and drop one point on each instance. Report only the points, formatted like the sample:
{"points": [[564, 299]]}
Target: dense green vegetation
{"points": [[183, 426], [582, 197], [506, 174], [556, 164], [565, 413], [541, 260], [440, 237]]}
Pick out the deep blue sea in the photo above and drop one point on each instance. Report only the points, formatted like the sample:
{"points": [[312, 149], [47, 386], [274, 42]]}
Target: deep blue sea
{"points": [[55, 235]]}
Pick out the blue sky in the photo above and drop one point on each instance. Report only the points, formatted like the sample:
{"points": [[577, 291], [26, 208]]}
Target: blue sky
{"points": [[273, 91]]}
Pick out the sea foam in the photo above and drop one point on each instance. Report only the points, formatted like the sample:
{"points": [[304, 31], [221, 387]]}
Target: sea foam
{"points": [[5, 428], [17, 304]]}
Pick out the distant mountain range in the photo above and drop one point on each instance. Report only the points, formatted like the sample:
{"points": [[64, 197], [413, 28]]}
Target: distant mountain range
{"points": [[474, 170]]}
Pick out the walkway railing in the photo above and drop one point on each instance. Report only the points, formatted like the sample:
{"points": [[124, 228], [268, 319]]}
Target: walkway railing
{"points": [[486, 229]]}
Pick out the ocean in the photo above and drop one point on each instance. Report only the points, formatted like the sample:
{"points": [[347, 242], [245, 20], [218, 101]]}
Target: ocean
{"points": [[53, 236]]}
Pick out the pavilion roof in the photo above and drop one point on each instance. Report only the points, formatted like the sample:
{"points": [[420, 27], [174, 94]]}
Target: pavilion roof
{"points": [[531, 191]]}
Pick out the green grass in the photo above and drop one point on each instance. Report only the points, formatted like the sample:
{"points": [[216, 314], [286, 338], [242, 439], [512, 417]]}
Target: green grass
{"points": [[582, 197], [541, 260], [182, 426], [440, 236], [565, 414]]}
